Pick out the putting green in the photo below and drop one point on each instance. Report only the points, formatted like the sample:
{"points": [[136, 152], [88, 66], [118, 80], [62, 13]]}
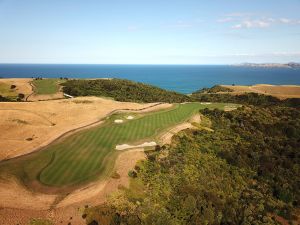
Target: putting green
{"points": [[91, 153]]}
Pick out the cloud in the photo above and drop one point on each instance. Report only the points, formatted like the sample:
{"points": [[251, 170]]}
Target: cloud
{"points": [[285, 20], [252, 24], [240, 20]]}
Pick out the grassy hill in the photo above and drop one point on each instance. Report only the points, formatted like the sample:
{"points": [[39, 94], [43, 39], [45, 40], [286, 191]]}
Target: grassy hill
{"points": [[122, 90], [91, 153]]}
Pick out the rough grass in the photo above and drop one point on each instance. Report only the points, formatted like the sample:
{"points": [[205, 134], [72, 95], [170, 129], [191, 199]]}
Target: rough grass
{"points": [[46, 86], [6, 91], [91, 153]]}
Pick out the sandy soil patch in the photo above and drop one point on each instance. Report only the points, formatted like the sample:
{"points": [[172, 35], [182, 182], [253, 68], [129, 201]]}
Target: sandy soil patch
{"points": [[166, 138], [126, 146], [22, 85], [28, 126], [279, 91], [196, 118]]}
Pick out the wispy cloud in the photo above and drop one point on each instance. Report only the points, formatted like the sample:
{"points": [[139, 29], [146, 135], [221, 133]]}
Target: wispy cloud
{"points": [[252, 24], [251, 20]]}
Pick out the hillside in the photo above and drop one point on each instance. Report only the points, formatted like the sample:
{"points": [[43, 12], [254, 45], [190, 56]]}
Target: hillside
{"points": [[122, 90], [249, 162], [225, 94]]}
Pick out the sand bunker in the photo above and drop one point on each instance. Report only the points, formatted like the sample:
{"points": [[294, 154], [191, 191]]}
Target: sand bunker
{"points": [[126, 146], [130, 117], [205, 103], [118, 121]]}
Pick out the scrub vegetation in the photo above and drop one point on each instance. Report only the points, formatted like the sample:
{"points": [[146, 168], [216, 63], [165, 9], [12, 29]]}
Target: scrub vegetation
{"points": [[122, 90], [207, 95], [245, 169]]}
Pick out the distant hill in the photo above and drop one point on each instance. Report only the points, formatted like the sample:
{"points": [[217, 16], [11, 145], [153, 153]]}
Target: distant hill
{"points": [[122, 90], [270, 65]]}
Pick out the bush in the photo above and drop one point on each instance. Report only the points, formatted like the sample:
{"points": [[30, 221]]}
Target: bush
{"points": [[132, 174], [122, 90]]}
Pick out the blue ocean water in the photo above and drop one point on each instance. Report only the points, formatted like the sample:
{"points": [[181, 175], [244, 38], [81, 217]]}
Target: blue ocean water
{"points": [[180, 78]]}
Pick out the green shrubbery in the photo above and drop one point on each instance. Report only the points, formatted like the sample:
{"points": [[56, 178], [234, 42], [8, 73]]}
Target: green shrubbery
{"points": [[215, 89], [244, 172], [122, 90], [210, 95]]}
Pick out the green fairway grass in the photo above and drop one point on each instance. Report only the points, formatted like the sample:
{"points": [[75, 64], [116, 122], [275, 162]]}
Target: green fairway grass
{"points": [[91, 153], [46, 86]]}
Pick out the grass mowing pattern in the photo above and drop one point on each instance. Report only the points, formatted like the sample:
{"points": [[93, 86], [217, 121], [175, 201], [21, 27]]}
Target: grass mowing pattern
{"points": [[46, 86], [91, 153]]}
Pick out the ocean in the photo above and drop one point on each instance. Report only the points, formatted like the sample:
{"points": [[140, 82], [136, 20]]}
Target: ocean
{"points": [[181, 78]]}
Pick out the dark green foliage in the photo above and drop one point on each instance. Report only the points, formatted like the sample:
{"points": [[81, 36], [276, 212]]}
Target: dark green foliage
{"points": [[132, 174], [268, 145], [205, 95], [215, 89], [4, 99], [244, 172], [121, 90]]}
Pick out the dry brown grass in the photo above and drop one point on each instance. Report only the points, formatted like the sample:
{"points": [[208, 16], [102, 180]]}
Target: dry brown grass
{"points": [[44, 121], [279, 91], [22, 86]]}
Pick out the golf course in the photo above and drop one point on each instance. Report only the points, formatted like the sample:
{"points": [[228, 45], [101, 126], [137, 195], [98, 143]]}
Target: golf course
{"points": [[91, 153]]}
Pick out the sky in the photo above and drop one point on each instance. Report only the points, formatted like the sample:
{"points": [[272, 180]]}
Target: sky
{"points": [[149, 31]]}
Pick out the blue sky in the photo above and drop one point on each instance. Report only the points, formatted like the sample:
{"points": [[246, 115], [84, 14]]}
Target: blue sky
{"points": [[149, 31]]}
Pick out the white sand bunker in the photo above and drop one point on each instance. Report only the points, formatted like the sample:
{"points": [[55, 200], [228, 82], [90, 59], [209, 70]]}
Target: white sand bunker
{"points": [[205, 103], [129, 117], [119, 121], [126, 146]]}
